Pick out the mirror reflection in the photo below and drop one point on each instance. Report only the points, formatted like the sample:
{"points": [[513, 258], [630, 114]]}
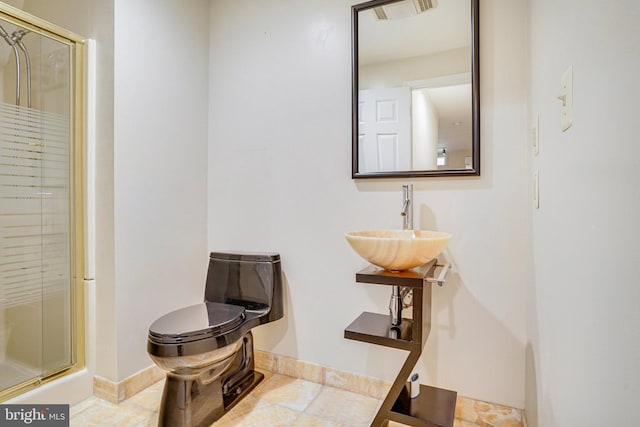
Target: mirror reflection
{"points": [[415, 82]]}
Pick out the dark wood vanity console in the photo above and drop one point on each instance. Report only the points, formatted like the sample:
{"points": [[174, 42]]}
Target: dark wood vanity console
{"points": [[434, 407]]}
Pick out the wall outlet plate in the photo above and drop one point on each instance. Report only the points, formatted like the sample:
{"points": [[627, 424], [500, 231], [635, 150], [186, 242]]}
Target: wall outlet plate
{"points": [[566, 96]]}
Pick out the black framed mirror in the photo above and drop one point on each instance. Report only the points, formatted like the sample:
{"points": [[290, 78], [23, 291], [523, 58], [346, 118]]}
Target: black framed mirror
{"points": [[415, 88]]}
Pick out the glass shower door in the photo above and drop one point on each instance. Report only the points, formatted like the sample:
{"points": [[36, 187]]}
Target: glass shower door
{"points": [[36, 206]]}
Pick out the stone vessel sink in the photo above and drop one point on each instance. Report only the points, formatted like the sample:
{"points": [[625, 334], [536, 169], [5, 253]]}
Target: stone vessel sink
{"points": [[398, 250]]}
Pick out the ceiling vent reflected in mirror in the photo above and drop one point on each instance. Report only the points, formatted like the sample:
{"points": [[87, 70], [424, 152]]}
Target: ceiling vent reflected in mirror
{"points": [[380, 13], [402, 10], [424, 5]]}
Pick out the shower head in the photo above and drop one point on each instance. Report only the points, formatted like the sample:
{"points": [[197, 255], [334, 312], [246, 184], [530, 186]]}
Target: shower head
{"points": [[15, 37]]}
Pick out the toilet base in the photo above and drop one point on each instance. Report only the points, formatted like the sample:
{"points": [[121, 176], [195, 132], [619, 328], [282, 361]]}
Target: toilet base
{"points": [[248, 383], [193, 402]]}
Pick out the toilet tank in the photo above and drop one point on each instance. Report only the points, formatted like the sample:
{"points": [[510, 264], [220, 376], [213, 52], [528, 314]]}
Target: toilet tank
{"points": [[250, 279]]}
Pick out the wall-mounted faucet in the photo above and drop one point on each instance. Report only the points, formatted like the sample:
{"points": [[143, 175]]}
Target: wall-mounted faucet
{"points": [[407, 207], [397, 295]]}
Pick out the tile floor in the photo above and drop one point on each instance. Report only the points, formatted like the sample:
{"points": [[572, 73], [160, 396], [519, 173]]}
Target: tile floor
{"points": [[278, 401]]}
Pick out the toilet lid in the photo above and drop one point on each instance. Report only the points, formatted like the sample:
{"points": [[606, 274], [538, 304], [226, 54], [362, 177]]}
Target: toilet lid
{"points": [[196, 322]]}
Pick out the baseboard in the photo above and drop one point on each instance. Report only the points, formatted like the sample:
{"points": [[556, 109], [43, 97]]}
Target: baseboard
{"points": [[117, 392]]}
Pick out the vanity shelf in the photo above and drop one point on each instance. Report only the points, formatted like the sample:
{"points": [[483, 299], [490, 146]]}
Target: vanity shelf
{"points": [[374, 328], [434, 407]]}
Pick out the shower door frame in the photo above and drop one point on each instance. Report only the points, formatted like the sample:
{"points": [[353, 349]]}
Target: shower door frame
{"points": [[77, 118]]}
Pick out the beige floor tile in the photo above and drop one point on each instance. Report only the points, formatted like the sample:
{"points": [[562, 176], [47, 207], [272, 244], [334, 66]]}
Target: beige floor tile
{"points": [[288, 391], [344, 407], [252, 412], [85, 404], [305, 420], [244, 407], [106, 414], [462, 423], [148, 398], [151, 420]]}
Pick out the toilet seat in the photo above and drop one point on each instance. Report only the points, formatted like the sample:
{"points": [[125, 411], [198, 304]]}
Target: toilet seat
{"points": [[196, 322]]}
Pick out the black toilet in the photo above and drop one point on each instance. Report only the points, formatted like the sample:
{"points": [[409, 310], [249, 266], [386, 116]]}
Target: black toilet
{"points": [[207, 349]]}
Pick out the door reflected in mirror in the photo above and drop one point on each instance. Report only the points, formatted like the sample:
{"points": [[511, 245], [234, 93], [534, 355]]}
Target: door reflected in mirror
{"points": [[415, 88]]}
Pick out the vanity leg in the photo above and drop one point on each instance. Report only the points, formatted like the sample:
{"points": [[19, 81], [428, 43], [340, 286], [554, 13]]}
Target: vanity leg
{"points": [[382, 417]]}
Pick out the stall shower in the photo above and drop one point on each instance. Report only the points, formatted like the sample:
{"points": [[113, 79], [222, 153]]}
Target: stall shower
{"points": [[38, 265]]}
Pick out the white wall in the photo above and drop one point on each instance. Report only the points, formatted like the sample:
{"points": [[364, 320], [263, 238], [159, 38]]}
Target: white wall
{"points": [[583, 355], [279, 179], [160, 164], [396, 73], [424, 139]]}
